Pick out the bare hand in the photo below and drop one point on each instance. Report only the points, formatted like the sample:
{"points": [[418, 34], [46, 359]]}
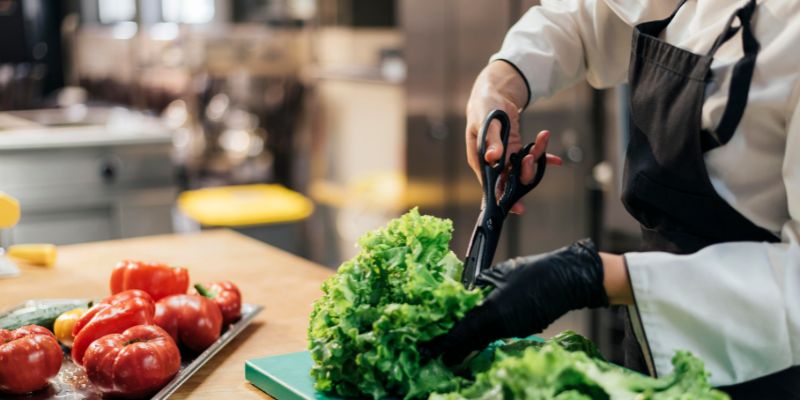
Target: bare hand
{"points": [[499, 86]]}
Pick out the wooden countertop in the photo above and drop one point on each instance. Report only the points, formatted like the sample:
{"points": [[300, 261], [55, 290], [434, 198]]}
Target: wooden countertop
{"points": [[284, 284]]}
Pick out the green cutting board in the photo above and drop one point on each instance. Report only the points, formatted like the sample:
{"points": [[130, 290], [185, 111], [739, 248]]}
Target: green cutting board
{"points": [[287, 377], [284, 377]]}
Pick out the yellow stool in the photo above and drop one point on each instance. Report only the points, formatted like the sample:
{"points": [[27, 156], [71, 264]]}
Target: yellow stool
{"points": [[270, 213]]}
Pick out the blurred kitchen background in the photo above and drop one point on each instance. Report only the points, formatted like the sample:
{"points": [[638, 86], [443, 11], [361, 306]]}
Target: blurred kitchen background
{"points": [[301, 123]]}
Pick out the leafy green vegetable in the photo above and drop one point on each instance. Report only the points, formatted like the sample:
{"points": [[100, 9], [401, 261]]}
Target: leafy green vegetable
{"points": [[571, 341], [549, 371], [401, 289], [568, 340]]}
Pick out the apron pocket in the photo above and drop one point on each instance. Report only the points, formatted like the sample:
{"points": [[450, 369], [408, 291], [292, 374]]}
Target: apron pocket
{"points": [[660, 207]]}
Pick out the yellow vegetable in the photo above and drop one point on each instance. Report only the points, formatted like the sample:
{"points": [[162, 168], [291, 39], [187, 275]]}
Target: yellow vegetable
{"points": [[37, 254], [64, 324]]}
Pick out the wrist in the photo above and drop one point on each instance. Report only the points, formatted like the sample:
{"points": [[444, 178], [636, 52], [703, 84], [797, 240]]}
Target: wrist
{"points": [[615, 279], [506, 79], [589, 274]]}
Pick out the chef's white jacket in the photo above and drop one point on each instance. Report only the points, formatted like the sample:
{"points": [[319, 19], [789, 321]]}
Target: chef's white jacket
{"points": [[735, 305]]}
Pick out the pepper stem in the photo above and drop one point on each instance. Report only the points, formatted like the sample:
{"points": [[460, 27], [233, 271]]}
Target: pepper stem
{"points": [[203, 291]]}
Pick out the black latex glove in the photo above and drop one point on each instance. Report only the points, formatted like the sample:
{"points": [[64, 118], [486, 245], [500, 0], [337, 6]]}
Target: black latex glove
{"points": [[529, 294]]}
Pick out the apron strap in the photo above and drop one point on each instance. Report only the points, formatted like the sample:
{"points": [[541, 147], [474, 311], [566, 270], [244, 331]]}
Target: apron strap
{"points": [[740, 79]]}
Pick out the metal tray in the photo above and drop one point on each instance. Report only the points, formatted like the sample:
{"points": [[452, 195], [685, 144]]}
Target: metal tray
{"points": [[73, 384]]}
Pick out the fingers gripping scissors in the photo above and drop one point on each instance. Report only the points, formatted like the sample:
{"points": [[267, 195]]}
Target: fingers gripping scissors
{"points": [[493, 213]]}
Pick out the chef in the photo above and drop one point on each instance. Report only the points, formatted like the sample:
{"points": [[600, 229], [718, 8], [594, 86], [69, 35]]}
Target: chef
{"points": [[712, 174]]}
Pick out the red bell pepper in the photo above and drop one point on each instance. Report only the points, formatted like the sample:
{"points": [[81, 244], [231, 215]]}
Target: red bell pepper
{"points": [[158, 280], [110, 300], [134, 363], [29, 356], [193, 320], [227, 297], [112, 315]]}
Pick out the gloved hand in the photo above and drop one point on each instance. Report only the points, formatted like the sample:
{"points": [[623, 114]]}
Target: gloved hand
{"points": [[529, 294]]}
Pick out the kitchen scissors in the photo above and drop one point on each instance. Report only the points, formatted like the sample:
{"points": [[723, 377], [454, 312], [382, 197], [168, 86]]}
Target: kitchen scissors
{"points": [[493, 213]]}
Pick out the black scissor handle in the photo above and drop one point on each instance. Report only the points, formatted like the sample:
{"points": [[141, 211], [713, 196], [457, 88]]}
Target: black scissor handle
{"points": [[515, 189], [491, 173]]}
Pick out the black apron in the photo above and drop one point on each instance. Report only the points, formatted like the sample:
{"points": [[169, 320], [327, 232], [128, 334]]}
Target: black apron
{"points": [[666, 184]]}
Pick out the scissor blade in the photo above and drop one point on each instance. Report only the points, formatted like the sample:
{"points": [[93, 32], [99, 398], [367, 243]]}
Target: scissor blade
{"points": [[474, 259]]}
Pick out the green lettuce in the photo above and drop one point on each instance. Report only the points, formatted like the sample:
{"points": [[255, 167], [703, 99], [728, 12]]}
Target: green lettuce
{"points": [[533, 370], [568, 340], [402, 288]]}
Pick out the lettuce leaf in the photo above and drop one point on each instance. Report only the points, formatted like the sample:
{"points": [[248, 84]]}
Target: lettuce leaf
{"points": [[542, 371], [401, 289], [568, 340]]}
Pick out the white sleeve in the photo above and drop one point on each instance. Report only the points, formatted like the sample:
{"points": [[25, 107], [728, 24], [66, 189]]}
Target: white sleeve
{"points": [[560, 42], [735, 305]]}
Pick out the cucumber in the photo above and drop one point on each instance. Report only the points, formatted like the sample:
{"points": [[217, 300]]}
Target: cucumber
{"points": [[39, 312]]}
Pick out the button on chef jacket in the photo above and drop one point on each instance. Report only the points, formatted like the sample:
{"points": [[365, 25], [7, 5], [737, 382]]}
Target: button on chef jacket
{"points": [[735, 305]]}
